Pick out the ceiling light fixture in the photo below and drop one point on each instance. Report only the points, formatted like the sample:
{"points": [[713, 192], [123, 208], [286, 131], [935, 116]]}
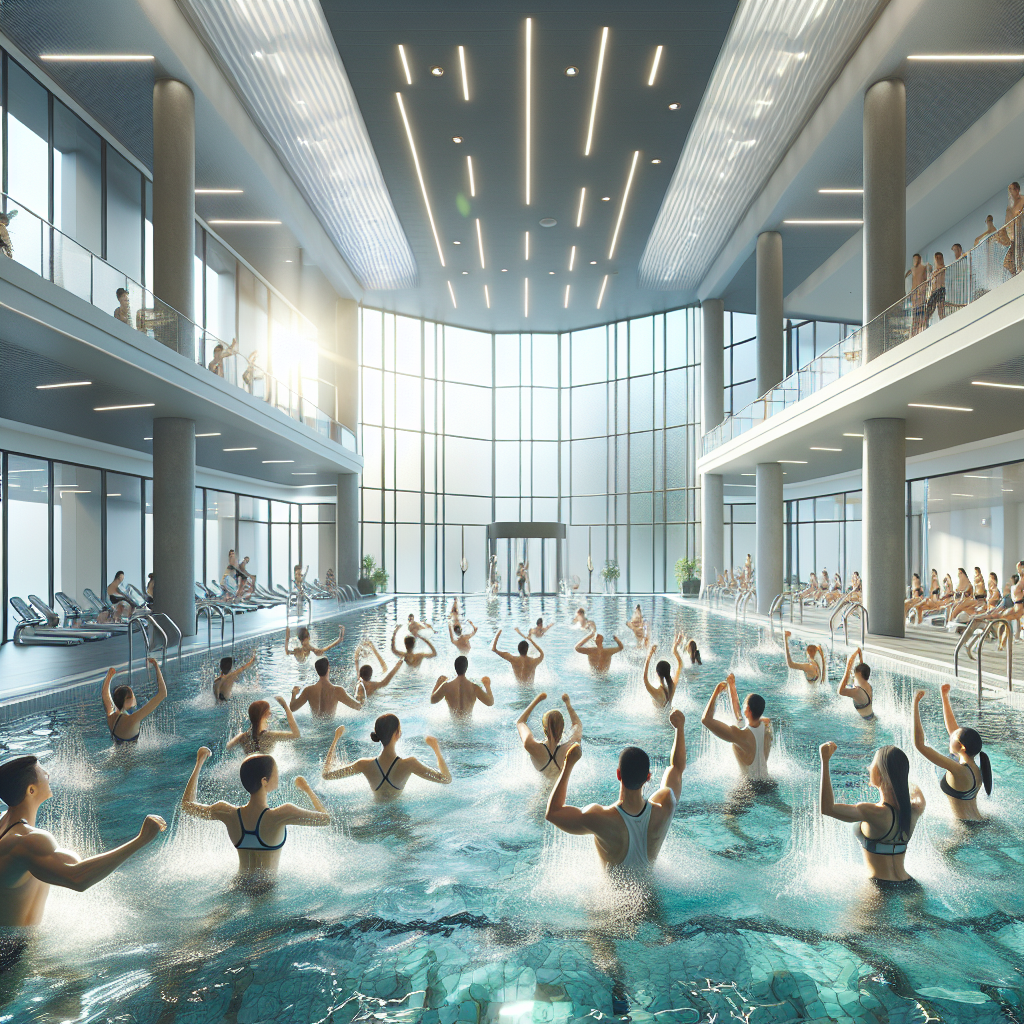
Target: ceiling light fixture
{"points": [[451, 292], [69, 384], [244, 223], [253, 449], [303, 474], [994, 384], [673, 106], [606, 199], [529, 46], [965, 56], [946, 408], [748, 474], [456, 242], [487, 297], [913, 439], [815, 449], [655, 161], [853, 435], [622, 205], [275, 462], [654, 66], [579, 212], [597, 90], [526, 296], [957, 494], [115, 408], [600, 294], [792, 462], [572, 257], [565, 304], [472, 181], [465, 273], [97, 56], [527, 246], [480, 244], [841, 191], [822, 222], [218, 191], [405, 64], [457, 139], [147, 439], [593, 263], [571, 71], [437, 71], [419, 175], [465, 80], [977, 476]]}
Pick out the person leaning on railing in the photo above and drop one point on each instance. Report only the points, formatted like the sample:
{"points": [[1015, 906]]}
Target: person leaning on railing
{"points": [[6, 245]]}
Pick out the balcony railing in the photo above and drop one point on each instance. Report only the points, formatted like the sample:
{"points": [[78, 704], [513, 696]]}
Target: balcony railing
{"points": [[48, 252], [993, 261]]}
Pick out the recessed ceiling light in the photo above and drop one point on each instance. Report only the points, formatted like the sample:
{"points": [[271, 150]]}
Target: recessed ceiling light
{"points": [[97, 56], [147, 439], [465, 272], [274, 462], [597, 90], [115, 408], [993, 384], [654, 66], [405, 64], [655, 161], [977, 476], [814, 449], [504, 270], [946, 408], [673, 106], [548, 222], [289, 261], [957, 494], [913, 439], [526, 247], [606, 199], [258, 223], [480, 244], [456, 242], [437, 71], [571, 71], [748, 474], [215, 434], [526, 296], [551, 272], [841, 191], [600, 294], [239, 449], [822, 222], [593, 263], [69, 384], [419, 175], [965, 56], [853, 435], [451, 292], [456, 138], [218, 191]]}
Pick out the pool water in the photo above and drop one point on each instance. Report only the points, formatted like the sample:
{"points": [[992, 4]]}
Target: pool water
{"points": [[459, 903]]}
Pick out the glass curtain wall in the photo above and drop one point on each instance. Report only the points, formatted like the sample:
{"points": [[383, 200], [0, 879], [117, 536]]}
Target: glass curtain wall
{"points": [[823, 533], [596, 429]]}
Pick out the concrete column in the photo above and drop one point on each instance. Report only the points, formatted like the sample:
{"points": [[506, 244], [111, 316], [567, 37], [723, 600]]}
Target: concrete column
{"points": [[885, 202], [347, 525], [712, 527], [884, 525], [346, 368], [712, 363], [770, 346], [174, 482], [768, 553], [174, 202]]}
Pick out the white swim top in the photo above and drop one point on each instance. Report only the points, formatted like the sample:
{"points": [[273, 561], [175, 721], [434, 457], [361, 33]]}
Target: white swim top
{"points": [[758, 768], [636, 827]]}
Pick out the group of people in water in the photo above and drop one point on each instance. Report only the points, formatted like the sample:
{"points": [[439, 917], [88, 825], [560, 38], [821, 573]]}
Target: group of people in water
{"points": [[628, 834]]}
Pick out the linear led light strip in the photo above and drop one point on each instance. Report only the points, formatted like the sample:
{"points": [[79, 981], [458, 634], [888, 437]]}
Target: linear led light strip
{"points": [[993, 384], [965, 56], [945, 408], [579, 212], [68, 384], [405, 63], [572, 257], [600, 294], [529, 47], [805, 222], [622, 205], [472, 180], [841, 191], [905, 439], [487, 296], [480, 244], [597, 90], [465, 80], [527, 246], [115, 408], [423, 187], [654, 66], [97, 56], [565, 304], [526, 296], [451, 292], [257, 223]]}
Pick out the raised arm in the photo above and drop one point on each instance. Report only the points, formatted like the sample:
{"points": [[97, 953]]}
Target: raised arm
{"points": [[161, 691], [293, 728], [483, 692], [108, 702], [437, 694], [845, 690], [292, 814], [333, 643], [441, 775], [243, 668], [522, 726], [469, 636], [574, 820], [673, 777], [189, 804], [621, 645], [299, 697], [377, 654], [679, 640], [530, 640], [390, 673], [433, 649], [494, 642], [590, 636], [722, 730], [288, 642], [343, 772], [349, 701], [947, 711], [576, 726], [654, 691], [942, 760], [789, 658], [734, 698], [828, 805], [394, 649]]}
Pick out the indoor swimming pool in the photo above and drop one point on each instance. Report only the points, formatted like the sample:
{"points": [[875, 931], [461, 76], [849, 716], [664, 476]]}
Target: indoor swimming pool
{"points": [[460, 903]]}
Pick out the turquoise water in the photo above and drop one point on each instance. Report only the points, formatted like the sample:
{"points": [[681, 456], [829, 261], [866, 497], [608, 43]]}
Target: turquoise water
{"points": [[459, 903]]}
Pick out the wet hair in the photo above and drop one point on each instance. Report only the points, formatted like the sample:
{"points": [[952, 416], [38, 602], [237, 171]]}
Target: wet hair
{"points": [[1014, 184], [225, 665], [120, 695], [634, 767], [255, 768], [410, 642], [322, 666], [303, 633], [895, 770], [461, 664], [258, 710], [554, 724], [384, 728], [862, 670], [412, 618], [16, 775], [121, 291], [691, 647], [755, 702], [970, 740], [916, 256], [457, 629], [581, 611], [120, 572], [540, 621], [664, 670], [524, 647]]}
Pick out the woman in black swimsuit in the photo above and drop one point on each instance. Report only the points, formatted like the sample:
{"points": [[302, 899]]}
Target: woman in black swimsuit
{"points": [[962, 779], [859, 691], [549, 756], [122, 721], [388, 773], [885, 828]]}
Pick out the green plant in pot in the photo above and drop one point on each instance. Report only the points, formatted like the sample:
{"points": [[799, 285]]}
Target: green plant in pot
{"points": [[366, 583], [610, 574], [688, 576], [380, 579]]}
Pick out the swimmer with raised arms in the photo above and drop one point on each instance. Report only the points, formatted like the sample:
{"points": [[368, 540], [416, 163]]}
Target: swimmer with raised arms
{"points": [[122, 721], [751, 737], [412, 658], [814, 667], [524, 667], [461, 693], [259, 738], [549, 756], [305, 646], [323, 697], [859, 691], [225, 682], [366, 685], [599, 656], [668, 680]]}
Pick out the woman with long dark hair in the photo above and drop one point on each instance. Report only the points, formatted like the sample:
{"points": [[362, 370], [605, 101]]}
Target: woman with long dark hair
{"points": [[884, 828], [668, 680], [259, 738], [387, 773], [966, 771]]}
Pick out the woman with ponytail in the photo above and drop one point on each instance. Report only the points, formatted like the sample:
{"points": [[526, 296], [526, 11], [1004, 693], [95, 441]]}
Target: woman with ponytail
{"points": [[549, 756], [258, 738], [387, 773], [668, 680], [883, 829], [966, 771]]}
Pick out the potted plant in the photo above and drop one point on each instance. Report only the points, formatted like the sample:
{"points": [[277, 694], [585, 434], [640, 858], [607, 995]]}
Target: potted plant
{"points": [[365, 584], [688, 576], [610, 573], [380, 579]]}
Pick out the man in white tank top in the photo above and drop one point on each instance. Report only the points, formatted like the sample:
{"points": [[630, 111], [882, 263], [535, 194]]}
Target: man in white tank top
{"points": [[751, 737], [628, 834]]}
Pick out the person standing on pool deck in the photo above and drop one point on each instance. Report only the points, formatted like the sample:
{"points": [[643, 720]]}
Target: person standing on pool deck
{"points": [[323, 697], [122, 722], [523, 666], [545, 756], [963, 779], [461, 693], [366, 685], [860, 691], [599, 656], [751, 737], [883, 829], [814, 667], [305, 647], [257, 830], [387, 783], [225, 682], [31, 861], [412, 658], [259, 739], [459, 639], [629, 834]]}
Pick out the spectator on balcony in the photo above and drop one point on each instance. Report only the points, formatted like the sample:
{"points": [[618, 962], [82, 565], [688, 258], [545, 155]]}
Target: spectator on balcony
{"points": [[220, 353], [6, 245], [124, 309], [990, 229], [918, 273], [1011, 234], [937, 299], [253, 371]]}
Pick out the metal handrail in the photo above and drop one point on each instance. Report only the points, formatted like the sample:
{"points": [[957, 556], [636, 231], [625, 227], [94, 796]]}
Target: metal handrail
{"points": [[850, 608], [156, 625], [968, 633], [134, 621], [173, 626], [742, 601]]}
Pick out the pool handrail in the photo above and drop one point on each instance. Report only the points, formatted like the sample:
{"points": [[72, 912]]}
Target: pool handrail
{"points": [[850, 608], [985, 632]]}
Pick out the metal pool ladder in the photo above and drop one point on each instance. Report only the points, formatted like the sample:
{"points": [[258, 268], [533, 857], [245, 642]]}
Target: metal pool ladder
{"points": [[969, 633], [847, 610]]}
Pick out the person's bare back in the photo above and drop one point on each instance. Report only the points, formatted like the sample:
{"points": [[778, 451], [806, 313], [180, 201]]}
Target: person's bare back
{"points": [[599, 656], [323, 697], [460, 693], [524, 667]]}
